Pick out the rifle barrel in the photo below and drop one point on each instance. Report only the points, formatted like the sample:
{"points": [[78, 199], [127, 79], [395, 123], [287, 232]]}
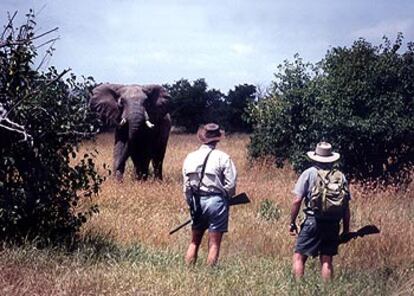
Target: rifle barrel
{"points": [[180, 226]]}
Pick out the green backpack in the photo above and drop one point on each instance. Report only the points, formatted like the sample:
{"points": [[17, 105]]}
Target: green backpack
{"points": [[329, 195]]}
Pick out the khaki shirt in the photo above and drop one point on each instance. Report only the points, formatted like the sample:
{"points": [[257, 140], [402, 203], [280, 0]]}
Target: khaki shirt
{"points": [[219, 176]]}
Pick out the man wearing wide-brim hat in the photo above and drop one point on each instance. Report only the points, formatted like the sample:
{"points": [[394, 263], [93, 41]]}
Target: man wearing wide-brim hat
{"points": [[209, 180], [319, 235]]}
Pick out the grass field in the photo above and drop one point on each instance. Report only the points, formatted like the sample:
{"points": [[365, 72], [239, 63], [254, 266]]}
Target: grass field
{"points": [[126, 249]]}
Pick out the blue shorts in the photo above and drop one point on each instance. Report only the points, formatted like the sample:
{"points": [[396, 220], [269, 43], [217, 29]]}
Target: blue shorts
{"points": [[318, 238], [215, 214]]}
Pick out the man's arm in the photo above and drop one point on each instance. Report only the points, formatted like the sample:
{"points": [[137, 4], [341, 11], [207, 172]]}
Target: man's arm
{"points": [[230, 177], [297, 201], [186, 184]]}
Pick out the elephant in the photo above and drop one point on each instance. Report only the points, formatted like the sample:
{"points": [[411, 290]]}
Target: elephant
{"points": [[140, 115]]}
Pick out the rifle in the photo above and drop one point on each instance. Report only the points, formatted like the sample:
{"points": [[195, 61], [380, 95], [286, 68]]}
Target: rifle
{"points": [[366, 230], [238, 199]]}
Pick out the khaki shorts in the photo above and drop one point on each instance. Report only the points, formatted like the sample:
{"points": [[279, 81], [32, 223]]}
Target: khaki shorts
{"points": [[318, 238], [215, 214]]}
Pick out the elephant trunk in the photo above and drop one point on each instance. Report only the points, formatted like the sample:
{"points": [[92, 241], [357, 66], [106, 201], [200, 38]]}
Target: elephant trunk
{"points": [[138, 119]]}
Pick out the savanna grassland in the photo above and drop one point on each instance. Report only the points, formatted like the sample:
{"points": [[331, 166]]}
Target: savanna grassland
{"points": [[126, 249]]}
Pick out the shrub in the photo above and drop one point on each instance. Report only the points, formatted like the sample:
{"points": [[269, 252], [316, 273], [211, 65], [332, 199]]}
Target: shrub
{"points": [[269, 211], [360, 99], [44, 118], [237, 101]]}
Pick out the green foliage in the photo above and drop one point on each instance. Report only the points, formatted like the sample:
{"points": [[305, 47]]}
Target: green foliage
{"points": [[193, 104], [269, 211], [42, 178], [283, 122], [237, 101], [360, 99]]}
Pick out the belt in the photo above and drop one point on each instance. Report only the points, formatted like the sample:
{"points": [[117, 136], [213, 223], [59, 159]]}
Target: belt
{"points": [[208, 194]]}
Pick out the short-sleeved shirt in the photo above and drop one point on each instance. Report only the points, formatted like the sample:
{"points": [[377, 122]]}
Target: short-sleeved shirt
{"points": [[305, 183]]}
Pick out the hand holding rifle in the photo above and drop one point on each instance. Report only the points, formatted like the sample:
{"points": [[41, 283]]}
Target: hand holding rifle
{"points": [[293, 229], [238, 199]]}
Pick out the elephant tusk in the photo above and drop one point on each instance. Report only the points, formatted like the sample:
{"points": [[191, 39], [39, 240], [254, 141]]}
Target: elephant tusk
{"points": [[149, 124], [123, 121], [147, 120]]}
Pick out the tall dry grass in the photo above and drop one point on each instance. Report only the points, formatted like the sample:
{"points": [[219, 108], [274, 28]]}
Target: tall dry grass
{"points": [[128, 251], [144, 212]]}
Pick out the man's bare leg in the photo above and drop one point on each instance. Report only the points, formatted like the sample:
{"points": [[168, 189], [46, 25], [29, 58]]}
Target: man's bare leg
{"points": [[214, 242], [299, 261], [326, 267], [192, 251]]}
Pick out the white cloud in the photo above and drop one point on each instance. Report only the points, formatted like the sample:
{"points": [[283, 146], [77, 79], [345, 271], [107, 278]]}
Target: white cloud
{"points": [[159, 56], [241, 49], [161, 41]]}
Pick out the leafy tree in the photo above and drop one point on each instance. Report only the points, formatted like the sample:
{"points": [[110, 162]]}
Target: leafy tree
{"points": [[361, 99], [237, 101], [193, 104], [43, 118], [281, 121]]}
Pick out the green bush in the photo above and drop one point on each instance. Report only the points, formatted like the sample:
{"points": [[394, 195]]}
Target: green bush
{"points": [[269, 211], [360, 99], [194, 104], [43, 120]]}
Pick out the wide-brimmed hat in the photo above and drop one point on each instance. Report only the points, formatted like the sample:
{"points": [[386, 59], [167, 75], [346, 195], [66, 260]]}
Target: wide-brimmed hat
{"points": [[210, 132], [323, 153]]}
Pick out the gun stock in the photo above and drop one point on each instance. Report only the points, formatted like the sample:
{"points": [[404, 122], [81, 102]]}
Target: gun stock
{"points": [[238, 199], [366, 230]]}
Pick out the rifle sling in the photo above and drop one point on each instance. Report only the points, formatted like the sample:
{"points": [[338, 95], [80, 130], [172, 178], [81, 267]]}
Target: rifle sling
{"points": [[196, 195], [202, 172]]}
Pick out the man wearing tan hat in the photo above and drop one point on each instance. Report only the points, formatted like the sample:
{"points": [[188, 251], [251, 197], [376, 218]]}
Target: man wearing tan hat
{"points": [[209, 180], [325, 193]]}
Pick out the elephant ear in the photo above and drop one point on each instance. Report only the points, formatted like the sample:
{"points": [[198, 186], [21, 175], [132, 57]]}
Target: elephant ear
{"points": [[158, 97], [104, 101]]}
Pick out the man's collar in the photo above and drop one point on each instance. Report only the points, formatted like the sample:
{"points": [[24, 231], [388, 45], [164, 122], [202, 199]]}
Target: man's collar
{"points": [[323, 166], [207, 146]]}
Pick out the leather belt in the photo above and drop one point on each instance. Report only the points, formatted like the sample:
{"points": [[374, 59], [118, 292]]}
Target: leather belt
{"points": [[209, 194]]}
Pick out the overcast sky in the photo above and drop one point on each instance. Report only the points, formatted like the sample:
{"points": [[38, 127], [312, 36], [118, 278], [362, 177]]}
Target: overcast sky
{"points": [[225, 42]]}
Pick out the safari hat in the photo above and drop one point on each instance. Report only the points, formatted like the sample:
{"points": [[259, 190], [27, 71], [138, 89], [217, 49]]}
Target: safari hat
{"points": [[210, 132], [323, 153]]}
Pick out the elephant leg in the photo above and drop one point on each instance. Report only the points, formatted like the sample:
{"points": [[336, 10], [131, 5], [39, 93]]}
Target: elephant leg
{"points": [[157, 164], [120, 156], [160, 147], [141, 166]]}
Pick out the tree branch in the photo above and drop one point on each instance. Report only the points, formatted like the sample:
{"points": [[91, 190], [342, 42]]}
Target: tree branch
{"points": [[9, 25], [43, 34], [48, 52], [37, 91], [13, 126], [4, 43], [78, 133]]}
